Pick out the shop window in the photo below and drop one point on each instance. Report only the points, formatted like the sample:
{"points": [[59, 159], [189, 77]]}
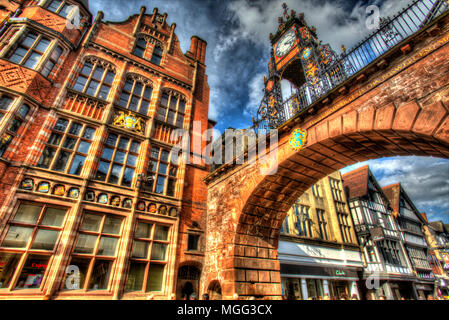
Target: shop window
{"points": [[171, 109], [95, 79], [67, 147], [193, 242], [156, 58], [13, 127], [149, 258], [118, 160], [33, 232], [95, 251], [136, 95], [164, 172]]}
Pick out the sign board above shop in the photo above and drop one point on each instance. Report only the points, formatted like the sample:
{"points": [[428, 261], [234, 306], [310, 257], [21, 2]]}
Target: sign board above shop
{"points": [[329, 272]]}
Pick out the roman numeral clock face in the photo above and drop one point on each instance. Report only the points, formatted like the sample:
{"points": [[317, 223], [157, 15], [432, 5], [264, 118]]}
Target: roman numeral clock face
{"points": [[285, 44]]}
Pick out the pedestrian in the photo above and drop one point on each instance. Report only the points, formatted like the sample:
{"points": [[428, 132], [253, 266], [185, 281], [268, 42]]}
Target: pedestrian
{"points": [[235, 296], [354, 297], [382, 297], [319, 298], [430, 297], [326, 296], [343, 297], [194, 296], [205, 296]]}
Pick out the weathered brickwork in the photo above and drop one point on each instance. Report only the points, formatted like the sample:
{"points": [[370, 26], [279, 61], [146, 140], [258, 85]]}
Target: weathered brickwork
{"points": [[400, 110]]}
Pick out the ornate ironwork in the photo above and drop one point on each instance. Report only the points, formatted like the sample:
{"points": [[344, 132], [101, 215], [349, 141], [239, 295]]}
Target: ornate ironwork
{"points": [[324, 69]]}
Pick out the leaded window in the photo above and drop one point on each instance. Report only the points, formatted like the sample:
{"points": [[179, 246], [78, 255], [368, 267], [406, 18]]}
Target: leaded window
{"points": [[29, 244], [63, 8], [95, 251], [345, 227], [139, 49], [30, 50], [156, 58], [172, 109], [303, 224], [149, 257], [119, 160], [136, 95], [322, 224], [67, 147], [164, 171], [14, 125], [95, 79]]}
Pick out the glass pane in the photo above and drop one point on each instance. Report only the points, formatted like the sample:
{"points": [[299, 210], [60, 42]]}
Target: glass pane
{"points": [[171, 117], [140, 249], [107, 154], [87, 69], [161, 113], [75, 129], [100, 275], [104, 92], [33, 272], [107, 246], [47, 156], [128, 85], [155, 153], [17, 237], [134, 103], [45, 240], [143, 230], [164, 100], [8, 265], [109, 77], [144, 107], [32, 60], [182, 106], [84, 147], [27, 213], [98, 73], [135, 276], [173, 103], [53, 217], [5, 102], [135, 146], [160, 185], [139, 52], [61, 161], [54, 5], [61, 125], [77, 165], [56, 54], [69, 143], [112, 139], [158, 252], [43, 45], [23, 111], [65, 10], [120, 157], [80, 83], [180, 120], [161, 233], [156, 59], [18, 55], [138, 89], [15, 125], [164, 155], [91, 222], [47, 68], [148, 92], [92, 89], [155, 277], [163, 168], [132, 160], [102, 171], [85, 244], [153, 166], [29, 39], [123, 100], [77, 278], [128, 177], [115, 174], [89, 133], [171, 187], [123, 144], [112, 225], [173, 171]]}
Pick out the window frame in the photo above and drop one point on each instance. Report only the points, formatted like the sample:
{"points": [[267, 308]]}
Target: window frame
{"points": [[168, 109], [64, 136], [132, 94], [148, 261], [28, 251], [95, 64], [322, 224], [166, 175]]}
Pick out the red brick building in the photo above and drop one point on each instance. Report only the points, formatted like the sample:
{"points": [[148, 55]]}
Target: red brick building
{"points": [[93, 203]]}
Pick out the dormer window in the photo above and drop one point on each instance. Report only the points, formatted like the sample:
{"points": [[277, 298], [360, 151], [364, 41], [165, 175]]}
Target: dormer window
{"points": [[157, 55]]}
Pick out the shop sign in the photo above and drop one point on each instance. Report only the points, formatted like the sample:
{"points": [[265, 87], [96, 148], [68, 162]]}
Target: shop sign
{"points": [[340, 273]]}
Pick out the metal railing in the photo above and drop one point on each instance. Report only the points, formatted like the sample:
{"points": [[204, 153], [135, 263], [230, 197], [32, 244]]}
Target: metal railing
{"points": [[390, 33]]}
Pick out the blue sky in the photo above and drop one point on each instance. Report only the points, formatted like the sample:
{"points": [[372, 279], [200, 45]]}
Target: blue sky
{"points": [[238, 51]]}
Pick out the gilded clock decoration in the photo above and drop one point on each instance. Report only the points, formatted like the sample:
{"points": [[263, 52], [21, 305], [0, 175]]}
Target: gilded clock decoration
{"points": [[298, 139]]}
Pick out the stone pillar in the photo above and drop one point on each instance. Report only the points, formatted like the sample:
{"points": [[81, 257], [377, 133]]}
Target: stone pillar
{"points": [[305, 293]]}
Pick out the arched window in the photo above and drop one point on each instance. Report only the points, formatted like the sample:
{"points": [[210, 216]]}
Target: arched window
{"points": [[172, 109], [95, 79], [140, 48], [157, 55], [136, 94]]}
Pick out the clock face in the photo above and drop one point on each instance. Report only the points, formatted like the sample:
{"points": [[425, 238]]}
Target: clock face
{"points": [[286, 43]]}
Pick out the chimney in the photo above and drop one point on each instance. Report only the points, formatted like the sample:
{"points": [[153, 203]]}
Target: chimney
{"points": [[198, 49]]}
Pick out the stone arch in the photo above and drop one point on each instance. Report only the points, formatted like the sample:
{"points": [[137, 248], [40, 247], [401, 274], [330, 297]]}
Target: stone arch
{"points": [[188, 279], [214, 290]]}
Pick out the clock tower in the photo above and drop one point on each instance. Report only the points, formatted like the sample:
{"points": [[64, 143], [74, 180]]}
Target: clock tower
{"points": [[299, 57]]}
